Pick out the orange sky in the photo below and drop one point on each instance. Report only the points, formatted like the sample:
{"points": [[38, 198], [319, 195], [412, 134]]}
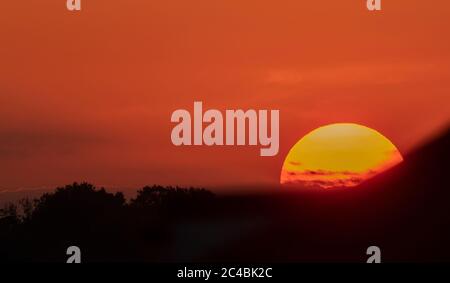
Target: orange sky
{"points": [[88, 96]]}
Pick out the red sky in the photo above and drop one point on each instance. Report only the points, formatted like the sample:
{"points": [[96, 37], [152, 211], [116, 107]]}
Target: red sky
{"points": [[88, 96]]}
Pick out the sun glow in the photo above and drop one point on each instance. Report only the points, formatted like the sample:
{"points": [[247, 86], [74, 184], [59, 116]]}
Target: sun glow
{"points": [[338, 155]]}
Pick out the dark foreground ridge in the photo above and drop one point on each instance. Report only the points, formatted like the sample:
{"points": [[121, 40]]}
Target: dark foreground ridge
{"points": [[404, 211]]}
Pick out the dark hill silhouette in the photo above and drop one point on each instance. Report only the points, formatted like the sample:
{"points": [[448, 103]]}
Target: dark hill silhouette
{"points": [[404, 211]]}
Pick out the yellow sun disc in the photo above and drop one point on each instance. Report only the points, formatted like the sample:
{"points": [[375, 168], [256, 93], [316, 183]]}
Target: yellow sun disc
{"points": [[338, 155]]}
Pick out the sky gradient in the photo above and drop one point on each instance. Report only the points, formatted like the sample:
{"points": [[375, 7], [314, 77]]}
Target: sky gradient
{"points": [[88, 96]]}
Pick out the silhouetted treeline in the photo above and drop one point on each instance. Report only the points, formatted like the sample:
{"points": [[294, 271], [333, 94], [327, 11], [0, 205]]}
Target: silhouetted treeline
{"points": [[103, 223]]}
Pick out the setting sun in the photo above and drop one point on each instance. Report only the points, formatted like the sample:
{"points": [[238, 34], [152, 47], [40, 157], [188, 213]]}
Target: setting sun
{"points": [[338, 155]]}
